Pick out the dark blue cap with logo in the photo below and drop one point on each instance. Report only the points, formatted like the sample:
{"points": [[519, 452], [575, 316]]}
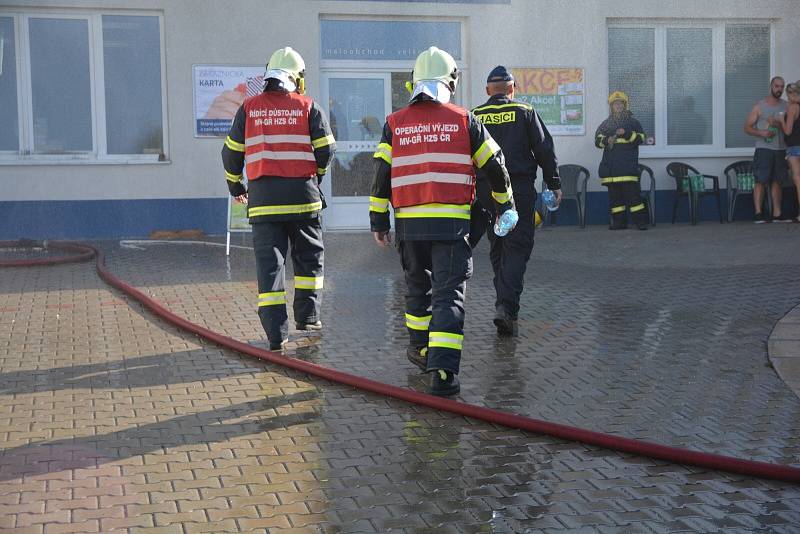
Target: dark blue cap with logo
{"points": [[500, 74]]}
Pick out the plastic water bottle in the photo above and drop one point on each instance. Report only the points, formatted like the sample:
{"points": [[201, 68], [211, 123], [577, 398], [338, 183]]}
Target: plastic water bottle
{"points": [[506, 222], [549, 200]]}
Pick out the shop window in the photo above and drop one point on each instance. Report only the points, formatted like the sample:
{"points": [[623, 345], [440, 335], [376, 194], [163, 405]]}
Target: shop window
{"points": [[9, 105], [746, 69], [92, 87], [631, 69], [691, 86]]}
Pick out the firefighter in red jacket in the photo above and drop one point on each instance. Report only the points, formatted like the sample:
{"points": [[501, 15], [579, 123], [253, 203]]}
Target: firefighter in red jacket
{"points": [[426, 161], [285, 142]]}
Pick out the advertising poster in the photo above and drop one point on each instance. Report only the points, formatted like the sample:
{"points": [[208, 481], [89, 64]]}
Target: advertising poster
{"points": [[557, 94], [218, 93]]}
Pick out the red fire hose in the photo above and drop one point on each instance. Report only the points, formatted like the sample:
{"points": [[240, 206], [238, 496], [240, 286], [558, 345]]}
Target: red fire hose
{"points": [[83, 252]]}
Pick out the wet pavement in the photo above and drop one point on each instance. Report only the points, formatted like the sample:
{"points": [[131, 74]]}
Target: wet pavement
{"points": [[112, 419]]}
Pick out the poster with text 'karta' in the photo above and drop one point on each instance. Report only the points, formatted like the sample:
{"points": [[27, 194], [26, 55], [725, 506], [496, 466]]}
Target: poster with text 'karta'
{"points": [[218, 93], [557, 94]]}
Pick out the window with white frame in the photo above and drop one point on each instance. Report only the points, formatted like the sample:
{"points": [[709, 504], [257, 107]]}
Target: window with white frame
{"points": [[691, 85], [85, 86]]}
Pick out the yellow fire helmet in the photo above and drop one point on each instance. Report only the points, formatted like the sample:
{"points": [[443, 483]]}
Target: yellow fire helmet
{"points": [[287, 61], [618, 95]]}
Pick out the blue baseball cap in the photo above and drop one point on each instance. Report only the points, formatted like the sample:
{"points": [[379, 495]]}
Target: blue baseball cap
{"points": [[500, 74]]}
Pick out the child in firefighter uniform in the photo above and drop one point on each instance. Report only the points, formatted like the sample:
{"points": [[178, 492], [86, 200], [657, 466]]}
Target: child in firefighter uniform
{"points": [[426, 160], [283, 138], [619, 136]]}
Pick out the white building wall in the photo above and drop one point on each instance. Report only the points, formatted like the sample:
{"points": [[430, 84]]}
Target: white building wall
{"points": [[535, 33]]}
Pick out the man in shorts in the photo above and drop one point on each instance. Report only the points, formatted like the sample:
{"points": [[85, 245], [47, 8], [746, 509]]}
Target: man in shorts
{"points": [[769, 160]]}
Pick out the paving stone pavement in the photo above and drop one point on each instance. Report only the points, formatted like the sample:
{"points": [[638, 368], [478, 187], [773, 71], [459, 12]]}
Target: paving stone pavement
{"points": [[111, 419]]}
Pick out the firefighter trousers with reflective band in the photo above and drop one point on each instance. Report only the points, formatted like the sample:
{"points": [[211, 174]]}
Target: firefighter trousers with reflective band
{"points": [[436, 275], [271, 242], [625, 196], [510, 254]]}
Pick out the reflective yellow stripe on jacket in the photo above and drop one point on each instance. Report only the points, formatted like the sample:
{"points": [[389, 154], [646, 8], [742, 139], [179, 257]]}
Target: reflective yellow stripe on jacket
{"points": [[632, 138], [233, 145], [617, 179], [522, 105], [320, 142], [235, 178], [453, 211], [378, 205], [488, 149], [384, 152], [284, 210], [502, 198]]}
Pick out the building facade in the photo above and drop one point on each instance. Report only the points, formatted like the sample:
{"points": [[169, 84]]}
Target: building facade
{"points": [[113, 113]]}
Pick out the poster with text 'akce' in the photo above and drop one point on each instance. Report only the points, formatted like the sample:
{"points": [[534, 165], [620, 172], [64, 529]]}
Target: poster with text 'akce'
{"points": [[557, 94], [218, 93]]}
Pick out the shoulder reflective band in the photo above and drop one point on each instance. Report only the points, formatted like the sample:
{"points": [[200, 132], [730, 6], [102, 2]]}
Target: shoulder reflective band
{"points": [[522, 105], [431, 157], [446, 340], [258, 139], [384, 152], [378, 205], [429, 177], [283, 210], [637, 207], [452, 211], [271, 299], [418, 323], [320, 142], [617, 179], [235, 178], [488, 149], [308, 282], [233, 145]]}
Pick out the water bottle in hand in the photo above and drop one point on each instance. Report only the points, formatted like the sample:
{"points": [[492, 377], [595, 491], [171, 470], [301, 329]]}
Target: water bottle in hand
{"points": [[549, 200], [506, 222]]}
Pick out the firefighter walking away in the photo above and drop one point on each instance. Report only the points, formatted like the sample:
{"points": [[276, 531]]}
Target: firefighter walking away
{"points": [[283, 140], [526, 145], [426, 164]]}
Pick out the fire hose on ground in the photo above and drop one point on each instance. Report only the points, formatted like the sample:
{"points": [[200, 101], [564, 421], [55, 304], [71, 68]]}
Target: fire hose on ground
{"points": [[80, 252]]}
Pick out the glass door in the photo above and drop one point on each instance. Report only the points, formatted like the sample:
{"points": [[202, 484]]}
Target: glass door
{"points": [[358, 103]]}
